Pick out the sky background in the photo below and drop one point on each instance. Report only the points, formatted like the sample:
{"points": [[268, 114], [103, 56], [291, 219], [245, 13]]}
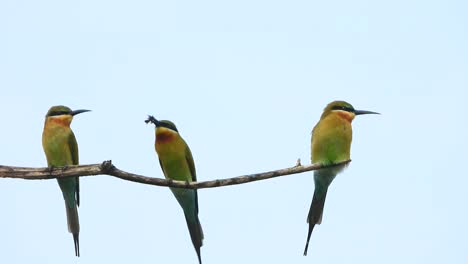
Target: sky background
{"points": [[245, 82]]}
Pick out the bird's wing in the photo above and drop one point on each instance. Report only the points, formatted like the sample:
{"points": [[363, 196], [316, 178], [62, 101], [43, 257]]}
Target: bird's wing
{"points": [[75, 161], [73, 148], [191, 164], [162, 168]]}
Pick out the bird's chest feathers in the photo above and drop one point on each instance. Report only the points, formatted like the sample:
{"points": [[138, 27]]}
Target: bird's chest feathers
{"points": [[55, 141], [169, 144], [163, 138], [56, 133], [171, 154], [331, 140]]}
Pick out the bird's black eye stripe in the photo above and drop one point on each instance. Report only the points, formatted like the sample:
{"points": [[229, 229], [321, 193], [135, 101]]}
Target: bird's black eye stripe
{"points": [[59, 113], [343, 108], [166, 125]]}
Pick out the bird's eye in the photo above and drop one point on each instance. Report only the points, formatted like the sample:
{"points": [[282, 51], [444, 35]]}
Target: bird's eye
{"points": [[343, 108]]}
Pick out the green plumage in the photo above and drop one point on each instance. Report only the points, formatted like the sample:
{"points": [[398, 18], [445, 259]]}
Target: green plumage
{"points": [[177, 163], [330, 143], [61, 149]]}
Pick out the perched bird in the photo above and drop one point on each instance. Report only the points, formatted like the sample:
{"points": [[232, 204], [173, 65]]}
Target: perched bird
{"points": [[331, 143], [61, 149], [177, 163]]}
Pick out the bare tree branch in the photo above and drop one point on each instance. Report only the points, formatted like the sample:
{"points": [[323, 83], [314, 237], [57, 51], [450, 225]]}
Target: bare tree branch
{"points": [[106, 168]]}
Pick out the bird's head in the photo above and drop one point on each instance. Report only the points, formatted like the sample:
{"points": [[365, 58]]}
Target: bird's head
{"points": [[62, 114], [165, 129], [344, 110]]}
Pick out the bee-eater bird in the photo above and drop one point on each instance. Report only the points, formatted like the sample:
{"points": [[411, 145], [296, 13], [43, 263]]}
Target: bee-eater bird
{"points": [[177, 163], [61, 149], [331, 143]]}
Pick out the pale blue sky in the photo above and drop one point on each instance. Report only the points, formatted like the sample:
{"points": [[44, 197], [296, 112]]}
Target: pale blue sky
{"points": [[245, 82]]}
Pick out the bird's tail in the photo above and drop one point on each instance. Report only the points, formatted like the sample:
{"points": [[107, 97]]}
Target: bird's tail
{"points": [[74, 226], [315, 213], [196, 233]]}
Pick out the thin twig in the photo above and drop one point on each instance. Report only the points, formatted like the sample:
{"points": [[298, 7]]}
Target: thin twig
{"points": [[106, 168]]}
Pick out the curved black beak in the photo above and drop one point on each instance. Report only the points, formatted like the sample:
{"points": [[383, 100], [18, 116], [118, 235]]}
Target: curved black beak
{"points": [[153, 120], [75, 112], [364, 112]]}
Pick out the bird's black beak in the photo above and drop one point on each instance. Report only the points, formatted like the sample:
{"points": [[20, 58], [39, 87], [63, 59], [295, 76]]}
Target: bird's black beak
{"points": [[75, 112], [364, 112], [153, 120]]}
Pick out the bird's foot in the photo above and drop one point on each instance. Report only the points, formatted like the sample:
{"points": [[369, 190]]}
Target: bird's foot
{"points": [[187, 183], [50, 169], [64, 168]]}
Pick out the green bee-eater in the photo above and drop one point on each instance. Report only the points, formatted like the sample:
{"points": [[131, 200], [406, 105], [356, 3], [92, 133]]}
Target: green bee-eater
{"points": [[177, 163], [61, 149], [331, 143]]}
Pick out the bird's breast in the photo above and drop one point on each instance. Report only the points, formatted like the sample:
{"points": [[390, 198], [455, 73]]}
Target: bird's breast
{"points": [[164, 137], [331, 140], [169, 144], [55, 142]]}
